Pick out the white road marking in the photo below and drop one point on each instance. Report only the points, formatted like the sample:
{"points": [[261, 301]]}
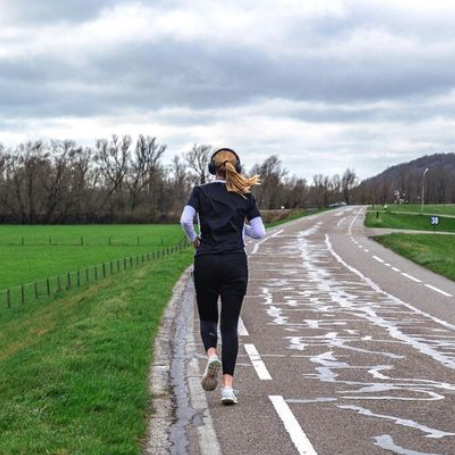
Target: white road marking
{"points": [[256, 247], [298, 437], [341, 221], [438, 290], [411, 277], [367, 251], [352, 222], [379, 259], [257, 362], [396, 269], [242, 329], [387, 264]]}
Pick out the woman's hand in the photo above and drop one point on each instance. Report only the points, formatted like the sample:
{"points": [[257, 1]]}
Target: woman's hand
{"points": [[196, 242]]}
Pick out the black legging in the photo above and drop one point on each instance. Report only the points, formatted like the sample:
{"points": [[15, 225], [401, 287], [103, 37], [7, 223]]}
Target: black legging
{"points": [[224, 276]]}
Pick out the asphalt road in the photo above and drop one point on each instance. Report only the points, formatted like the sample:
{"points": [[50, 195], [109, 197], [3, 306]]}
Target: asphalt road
{"points": [[345, 348]]}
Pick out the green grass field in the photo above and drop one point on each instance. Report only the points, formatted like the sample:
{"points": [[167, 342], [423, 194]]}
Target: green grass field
{"points": [[388, 219], [73, 374], [430, 209], [435, 252], [38, 258], [32, 253]]}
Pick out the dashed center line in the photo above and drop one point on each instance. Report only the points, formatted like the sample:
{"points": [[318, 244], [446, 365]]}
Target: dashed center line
{"points": [[379, 259], [434, 288], [413, 278], [241, 328], [257, 362], [298, 437]]}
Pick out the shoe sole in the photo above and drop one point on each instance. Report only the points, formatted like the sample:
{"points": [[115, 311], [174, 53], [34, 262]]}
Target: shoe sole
{"points": [[210, 380], [228, 401]]}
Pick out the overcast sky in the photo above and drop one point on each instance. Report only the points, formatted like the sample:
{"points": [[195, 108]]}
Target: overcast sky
{"points": [[326, 85]]}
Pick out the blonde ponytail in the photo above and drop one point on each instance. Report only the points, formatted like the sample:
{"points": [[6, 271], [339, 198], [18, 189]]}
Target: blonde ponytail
{"points": [[225, 162]]}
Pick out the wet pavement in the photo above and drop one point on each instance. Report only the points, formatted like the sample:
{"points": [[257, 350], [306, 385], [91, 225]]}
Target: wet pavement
{"points": [[345, 348]]}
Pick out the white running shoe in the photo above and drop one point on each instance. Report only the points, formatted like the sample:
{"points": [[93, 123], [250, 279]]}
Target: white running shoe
{"points": [[229, 396], [210, 379]]}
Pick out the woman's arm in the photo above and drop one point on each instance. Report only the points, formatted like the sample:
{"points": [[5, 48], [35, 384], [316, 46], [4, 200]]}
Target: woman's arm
{"points": [[187, 222], [255, 229]]}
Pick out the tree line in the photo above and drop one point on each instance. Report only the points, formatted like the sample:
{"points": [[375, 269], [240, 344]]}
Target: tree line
{"points": [[121, 180], [432, 177]]}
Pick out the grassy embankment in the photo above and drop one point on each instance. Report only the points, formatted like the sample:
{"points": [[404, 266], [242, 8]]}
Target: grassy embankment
{"points": [[435, 252], [73, 371]]}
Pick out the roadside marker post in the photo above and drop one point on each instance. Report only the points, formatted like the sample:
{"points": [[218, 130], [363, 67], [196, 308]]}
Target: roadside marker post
{"points": [[434, 221]]}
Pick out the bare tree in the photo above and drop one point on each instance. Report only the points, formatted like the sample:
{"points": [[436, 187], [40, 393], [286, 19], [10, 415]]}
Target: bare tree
{"points": [[198, 159], [272, 173], [348, 182], [112, 158], [146, 173]]}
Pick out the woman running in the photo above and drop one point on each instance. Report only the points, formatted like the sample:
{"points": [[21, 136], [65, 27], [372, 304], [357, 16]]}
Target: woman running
{"points": [[220, 262]]}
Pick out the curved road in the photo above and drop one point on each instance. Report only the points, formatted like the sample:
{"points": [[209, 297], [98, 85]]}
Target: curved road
{"points": [[345, 348]]}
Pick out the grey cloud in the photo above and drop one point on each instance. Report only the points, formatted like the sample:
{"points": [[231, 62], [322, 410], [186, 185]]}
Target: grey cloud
{"points": [[208, 77], [42, 11]]}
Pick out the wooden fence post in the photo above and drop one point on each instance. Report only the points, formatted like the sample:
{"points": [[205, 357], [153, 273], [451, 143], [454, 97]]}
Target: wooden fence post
{"points": [[87, 275], [59, 284], [22, 294], [96, 273], [48, 287], [8, 298], [36, 290], [68, 280], [104, 270], [78, 274]]}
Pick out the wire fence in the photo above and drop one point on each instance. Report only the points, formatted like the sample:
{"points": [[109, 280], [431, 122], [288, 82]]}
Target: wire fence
{"points": [[59, 284], [83, 241]]}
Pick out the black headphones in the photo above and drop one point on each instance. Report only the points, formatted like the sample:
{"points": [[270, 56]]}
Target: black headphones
{"points": [[212, 165]]}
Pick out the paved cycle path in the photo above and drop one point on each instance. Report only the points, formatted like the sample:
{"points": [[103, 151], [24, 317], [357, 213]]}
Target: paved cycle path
{"points": [[345, 348]]}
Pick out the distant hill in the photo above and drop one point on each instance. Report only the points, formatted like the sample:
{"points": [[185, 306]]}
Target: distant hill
{"points": [[403, 182]]}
